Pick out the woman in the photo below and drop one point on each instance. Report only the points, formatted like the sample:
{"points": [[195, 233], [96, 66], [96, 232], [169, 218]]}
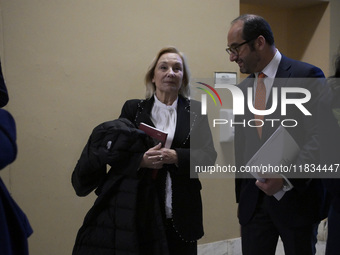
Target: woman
{"points": [[168, 207]]}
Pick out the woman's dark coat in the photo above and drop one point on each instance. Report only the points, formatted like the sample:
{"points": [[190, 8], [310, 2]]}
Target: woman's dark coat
{"points": [[128, 215]]}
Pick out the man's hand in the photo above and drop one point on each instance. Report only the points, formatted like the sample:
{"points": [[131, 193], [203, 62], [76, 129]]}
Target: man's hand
{"points": [[271, 185]]}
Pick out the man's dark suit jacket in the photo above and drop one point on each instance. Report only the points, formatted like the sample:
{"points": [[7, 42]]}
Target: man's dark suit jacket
{"points": [[192, 142], [301, 205]]}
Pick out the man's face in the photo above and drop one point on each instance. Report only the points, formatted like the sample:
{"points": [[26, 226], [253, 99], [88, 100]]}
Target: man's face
{"points": [[241, 53]]}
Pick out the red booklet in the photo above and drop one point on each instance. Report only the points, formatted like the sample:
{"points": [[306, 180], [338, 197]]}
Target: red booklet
{"points": [[157, 134]]}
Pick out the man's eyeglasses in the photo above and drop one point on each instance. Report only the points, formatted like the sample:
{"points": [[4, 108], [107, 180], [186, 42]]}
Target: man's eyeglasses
{"points": [[234, 49]]}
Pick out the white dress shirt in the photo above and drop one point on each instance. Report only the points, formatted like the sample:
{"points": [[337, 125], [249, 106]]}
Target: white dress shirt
{"points": [[164, 117], [270, 71]]}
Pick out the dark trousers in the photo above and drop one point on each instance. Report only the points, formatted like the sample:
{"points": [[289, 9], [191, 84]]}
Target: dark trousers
{"points": [[333, 244], [176, 245], [261, 234]]}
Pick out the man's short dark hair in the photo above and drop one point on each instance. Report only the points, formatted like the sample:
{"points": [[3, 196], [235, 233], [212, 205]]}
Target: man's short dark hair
{"points": [[254, 26]]}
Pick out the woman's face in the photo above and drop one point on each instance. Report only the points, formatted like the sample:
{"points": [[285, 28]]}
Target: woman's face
{"points": [[168, 74]]}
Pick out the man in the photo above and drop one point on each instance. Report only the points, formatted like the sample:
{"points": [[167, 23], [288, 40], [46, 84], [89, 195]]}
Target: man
{"points": [[263, 218], [329, 132]]}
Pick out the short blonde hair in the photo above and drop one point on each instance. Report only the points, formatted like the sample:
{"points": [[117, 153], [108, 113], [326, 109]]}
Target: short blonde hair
{"points": [[151, 87]]}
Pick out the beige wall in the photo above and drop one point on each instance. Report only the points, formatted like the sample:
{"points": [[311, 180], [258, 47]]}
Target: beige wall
{"points": [[70, 65], [311, 24], [300, 33], [334, 48]]}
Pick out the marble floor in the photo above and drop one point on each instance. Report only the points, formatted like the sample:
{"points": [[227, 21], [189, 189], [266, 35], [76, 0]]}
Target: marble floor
{"points": [[233, 247]]}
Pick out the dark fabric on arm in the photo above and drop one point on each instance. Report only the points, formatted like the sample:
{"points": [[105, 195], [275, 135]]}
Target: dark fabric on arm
{"points": [[127, 148], [85, 177], [202, 151], [8, 147], [3, 90]]}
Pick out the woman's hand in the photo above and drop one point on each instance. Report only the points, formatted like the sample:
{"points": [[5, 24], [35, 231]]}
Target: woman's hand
{"points": [[157, 156]]}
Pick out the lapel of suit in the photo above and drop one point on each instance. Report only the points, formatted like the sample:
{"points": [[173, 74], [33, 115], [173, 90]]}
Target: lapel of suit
{"points": [[185, 119], [144, 112]]}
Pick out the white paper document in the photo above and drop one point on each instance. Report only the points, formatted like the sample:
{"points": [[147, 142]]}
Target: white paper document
{"points": [[279, 150]]}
